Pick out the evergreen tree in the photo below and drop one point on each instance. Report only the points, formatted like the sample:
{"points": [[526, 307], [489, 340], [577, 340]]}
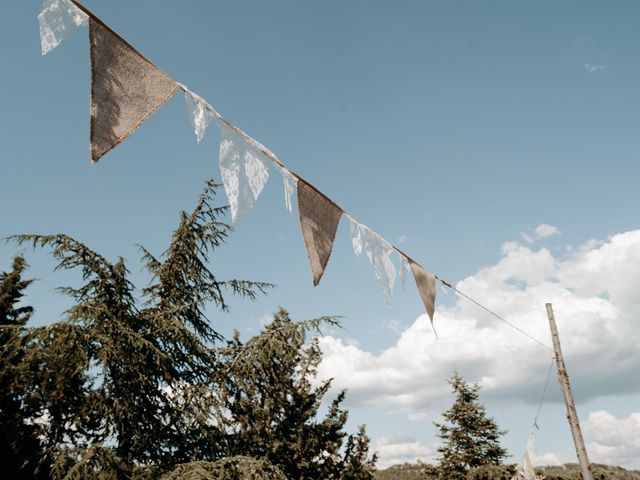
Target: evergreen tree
{"points": [[358, 464], [20, 449], [272, 405], [131, 382], [470, 438], [106, 375]]}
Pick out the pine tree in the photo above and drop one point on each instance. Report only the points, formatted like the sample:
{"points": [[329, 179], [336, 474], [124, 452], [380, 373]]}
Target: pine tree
{"points": [[470, 438], [272, 405], [132, 382], [20, 449], [106, 375], [358, 464]]}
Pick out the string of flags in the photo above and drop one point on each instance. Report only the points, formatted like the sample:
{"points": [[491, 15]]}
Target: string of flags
{"points": [[127, 88]]}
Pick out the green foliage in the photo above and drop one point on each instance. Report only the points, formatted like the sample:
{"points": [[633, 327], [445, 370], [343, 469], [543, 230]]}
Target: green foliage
{"points": [[600, 472], [492, 472], [271, 406], [408, 471], [20, 449], [232, 468], [470, 438], [132, 381], [567, 472]]}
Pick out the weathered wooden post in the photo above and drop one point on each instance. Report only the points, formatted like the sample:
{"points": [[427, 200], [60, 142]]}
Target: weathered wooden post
{"points": [[572, 416]]}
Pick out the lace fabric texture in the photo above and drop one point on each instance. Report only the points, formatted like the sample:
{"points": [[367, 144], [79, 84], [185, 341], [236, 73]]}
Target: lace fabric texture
{"points": [[290, 185], [200, 113], [244, 168], [404, 268], [58, 19], [379, 252], [526, 470]]}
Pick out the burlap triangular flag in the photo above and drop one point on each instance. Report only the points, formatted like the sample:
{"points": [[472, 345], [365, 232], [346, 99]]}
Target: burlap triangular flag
{"points": [[125, 89], [426, 283], [319, 218]]}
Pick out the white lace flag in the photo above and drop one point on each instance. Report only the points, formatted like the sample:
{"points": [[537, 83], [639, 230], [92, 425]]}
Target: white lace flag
{"points": [[200, 112], [244, 168], [404, 268], [57, 20], [526, 470], [378, 250], [290, 185]]}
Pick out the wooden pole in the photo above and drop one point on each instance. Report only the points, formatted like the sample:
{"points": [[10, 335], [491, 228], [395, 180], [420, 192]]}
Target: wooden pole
{"points": [[572, 416]]}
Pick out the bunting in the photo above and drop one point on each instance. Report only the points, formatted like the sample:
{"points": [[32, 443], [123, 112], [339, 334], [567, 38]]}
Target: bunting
{"points": [[200, 112], [126, 89], [426, 283], [319, 218], [244, 168], [526, 470], [58, 19], [378, 251]]}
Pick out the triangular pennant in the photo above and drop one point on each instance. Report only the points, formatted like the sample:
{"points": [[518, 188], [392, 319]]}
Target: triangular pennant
{"points": [[527, 470], [199, 111], [290, 185], [125, 89], [426, 283], [319, 218], [378, 250], [244, 166], [58, 19]]}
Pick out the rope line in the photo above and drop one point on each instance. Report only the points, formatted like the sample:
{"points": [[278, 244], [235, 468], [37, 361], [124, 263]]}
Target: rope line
{"points": [[544, 391], [531, 337]]}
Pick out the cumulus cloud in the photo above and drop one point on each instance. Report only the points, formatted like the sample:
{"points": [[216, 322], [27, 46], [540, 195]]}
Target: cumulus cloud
{"points": [[596, 301], [402, 449], [611, 440], [541, 231], [592, 68], [545, 230]]}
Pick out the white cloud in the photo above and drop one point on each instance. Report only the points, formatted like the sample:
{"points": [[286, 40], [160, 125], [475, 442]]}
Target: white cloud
{"points": [[591, 67], [543, 230], [596, 301], [404, 449], [611, 440], [549, 460]]}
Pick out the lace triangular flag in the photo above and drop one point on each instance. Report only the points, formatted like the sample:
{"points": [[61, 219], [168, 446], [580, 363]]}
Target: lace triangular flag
{"points": [[125, 89], [319, 218], [290, 185], [526, 470], [58, 19], [244, 167], [200, 112], [378, 251]]}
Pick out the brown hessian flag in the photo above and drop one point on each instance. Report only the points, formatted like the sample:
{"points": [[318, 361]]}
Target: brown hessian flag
{"points": [[426, 283], [126, 88], [319, 218]]}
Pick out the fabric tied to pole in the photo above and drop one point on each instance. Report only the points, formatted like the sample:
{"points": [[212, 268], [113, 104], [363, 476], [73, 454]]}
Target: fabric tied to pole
{"points": [[527, 470], [244, 166], [126, 89], [58, 19], [378, 251], [319, 218]]}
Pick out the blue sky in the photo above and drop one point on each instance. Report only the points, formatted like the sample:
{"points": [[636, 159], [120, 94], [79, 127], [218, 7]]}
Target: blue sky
{"points": [[451, 128]]}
